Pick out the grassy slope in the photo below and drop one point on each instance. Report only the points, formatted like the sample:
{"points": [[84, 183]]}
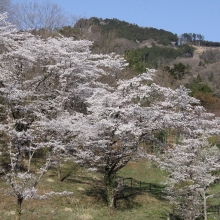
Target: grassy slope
{"points": [[88, 201]]}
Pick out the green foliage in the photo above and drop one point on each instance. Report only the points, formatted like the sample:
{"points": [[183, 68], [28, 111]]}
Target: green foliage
{"points": [[130, 31], [134, 32], [201, 63], [215, 140], [211, 77], [178, 71], [154, 57], [197, 39], [164, 41], [198, 78], [137, 59], [186, 50], [201, 90], [199, 87], [161, 136], [210, 44]]}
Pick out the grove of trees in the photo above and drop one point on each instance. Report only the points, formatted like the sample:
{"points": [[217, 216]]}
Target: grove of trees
{"points": [[130, 31], [155, 57], [196, 39], [55, 103]]}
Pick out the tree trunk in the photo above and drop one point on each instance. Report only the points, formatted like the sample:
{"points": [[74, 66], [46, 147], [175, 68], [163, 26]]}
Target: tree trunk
{"points": [[59, 171], [110, 192], [204, 207], [18, 209]]}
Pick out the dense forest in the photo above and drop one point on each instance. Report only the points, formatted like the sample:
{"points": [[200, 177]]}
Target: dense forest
{"points": [[134, 32]]}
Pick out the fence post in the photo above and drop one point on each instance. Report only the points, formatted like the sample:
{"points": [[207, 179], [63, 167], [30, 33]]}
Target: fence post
{"points": [[218, 212]]}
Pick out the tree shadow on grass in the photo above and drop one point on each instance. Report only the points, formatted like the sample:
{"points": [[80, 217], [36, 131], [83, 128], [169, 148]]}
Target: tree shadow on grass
{"points": [[79, 179], [137, 187], [125, 199], [65, 177], [70, 177], [97, 191]]}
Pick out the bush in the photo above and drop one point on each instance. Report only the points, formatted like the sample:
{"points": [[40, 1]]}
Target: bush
{"points": [[153, 57], [211, 56], [204, 93], [200, 88], [178, 71]]}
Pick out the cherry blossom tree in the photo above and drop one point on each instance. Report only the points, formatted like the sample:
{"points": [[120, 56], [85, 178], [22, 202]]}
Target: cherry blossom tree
{"points": [[42, 83], [54, 99], [120, 118], [20, 111], [192, 167]]}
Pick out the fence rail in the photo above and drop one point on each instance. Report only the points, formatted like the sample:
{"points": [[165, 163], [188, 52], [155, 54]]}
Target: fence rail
{"points": [[130, 183]]}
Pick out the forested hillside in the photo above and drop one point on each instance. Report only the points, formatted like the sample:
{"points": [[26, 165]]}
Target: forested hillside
{"points": [[187, 59], [113, 35]]}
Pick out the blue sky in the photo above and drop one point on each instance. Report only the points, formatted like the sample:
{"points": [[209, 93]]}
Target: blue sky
{"points": [[177, 16]]}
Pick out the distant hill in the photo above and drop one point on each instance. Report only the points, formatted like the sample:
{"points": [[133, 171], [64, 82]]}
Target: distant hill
{"points": [[113, 35], [188, 60]]}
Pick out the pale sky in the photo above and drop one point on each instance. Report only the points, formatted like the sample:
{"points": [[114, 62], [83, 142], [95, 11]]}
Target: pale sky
{"points": [[176, 16]]}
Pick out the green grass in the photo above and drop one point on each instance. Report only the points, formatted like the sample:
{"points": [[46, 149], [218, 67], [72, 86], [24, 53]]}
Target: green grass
{"points": [[143, 171], [88, 200], [214, 202]]}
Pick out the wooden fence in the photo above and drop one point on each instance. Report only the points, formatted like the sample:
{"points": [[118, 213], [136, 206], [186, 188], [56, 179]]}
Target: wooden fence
{"points": [[132, 185], [156, 189]]}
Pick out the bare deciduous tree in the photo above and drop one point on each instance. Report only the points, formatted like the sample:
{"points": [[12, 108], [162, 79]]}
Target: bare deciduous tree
{"points": [[5, 6], [32, 15]]}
